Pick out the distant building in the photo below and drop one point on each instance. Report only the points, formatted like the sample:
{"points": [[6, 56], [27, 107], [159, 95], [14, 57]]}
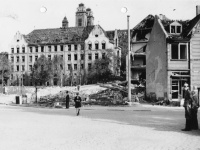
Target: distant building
{"points": [[79, 46]]}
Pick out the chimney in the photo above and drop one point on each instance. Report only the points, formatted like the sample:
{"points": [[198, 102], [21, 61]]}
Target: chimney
{"points": [[197, 9]]}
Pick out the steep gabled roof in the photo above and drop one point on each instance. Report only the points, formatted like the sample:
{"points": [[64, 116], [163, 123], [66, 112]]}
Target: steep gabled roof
{"points": [[58, 35]]}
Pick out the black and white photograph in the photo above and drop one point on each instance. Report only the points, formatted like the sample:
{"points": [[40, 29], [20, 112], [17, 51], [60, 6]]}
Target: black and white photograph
{"points": [[99, 74]]}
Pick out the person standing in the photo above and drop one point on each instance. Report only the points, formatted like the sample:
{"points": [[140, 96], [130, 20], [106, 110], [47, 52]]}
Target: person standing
{"points": [[77, 101], [194, 111], [187, 106], [67, 100]]}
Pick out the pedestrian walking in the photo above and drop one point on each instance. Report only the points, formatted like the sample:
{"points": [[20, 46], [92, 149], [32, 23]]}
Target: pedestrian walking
{"points": [[77, 101], [67, 100], [187, 106], [194, 111]]}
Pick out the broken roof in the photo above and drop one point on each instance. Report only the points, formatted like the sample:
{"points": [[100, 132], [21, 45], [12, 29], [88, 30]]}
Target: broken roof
{"points": [[58, 35], [187, 27]]}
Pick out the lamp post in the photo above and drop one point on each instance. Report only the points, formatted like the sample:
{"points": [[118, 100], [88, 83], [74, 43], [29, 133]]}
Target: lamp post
{"points": [[125, 10]]}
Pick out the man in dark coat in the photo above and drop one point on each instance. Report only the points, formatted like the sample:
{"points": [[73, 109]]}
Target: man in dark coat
{"points": [[187, 105], [67, 100], [194, 111], [77, 101]]}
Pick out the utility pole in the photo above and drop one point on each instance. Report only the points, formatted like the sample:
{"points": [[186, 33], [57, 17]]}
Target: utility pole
{"points": [[129, 64]]}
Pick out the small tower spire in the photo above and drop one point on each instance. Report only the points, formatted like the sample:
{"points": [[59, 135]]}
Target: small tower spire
{"points": [[65, 22]]}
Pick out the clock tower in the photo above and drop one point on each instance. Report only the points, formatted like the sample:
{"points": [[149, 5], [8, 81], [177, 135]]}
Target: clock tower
{"points": [[81, 16]]}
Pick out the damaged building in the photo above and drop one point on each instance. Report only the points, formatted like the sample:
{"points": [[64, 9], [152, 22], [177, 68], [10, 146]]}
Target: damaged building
{"points": [[167, 54]]}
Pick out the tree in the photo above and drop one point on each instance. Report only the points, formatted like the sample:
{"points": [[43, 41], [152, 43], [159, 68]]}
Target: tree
{"points": [[100, 71], [5, 68], [41, 72], [57, 69]]}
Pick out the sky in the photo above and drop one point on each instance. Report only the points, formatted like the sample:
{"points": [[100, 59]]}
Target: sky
{"points": [[25, 15]]}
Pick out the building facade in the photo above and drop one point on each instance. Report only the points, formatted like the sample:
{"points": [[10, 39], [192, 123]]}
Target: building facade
{"points": [[78, 46]]}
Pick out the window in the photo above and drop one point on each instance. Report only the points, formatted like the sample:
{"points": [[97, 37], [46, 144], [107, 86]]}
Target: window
{"points": [[82, 56], [30, 58], [96, 45], [82, 46], [103, 45], [49, 47], [75, 66], [31, 50], [89, 66], [69, 47], [61, 47], [96, 56], [79, 22], [69, 56], [61, 57], [117, 53], [23, 58], [17, 58], [23, 67], [36, 49], [12, 50], [82, 66], [175, 28], [49, 57], [17, 67], [36, 57], [23, 49], [17, 49], [30, 67], [12, 59], [55, 48], [75, 47], [90, 46], [179, 51], [75, 56], [42, 49], [103, 55], [90, 56], [69, 67]]}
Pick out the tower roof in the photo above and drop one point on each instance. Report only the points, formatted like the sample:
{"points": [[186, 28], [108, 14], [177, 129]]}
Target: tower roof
{"points": [[65, 19]]}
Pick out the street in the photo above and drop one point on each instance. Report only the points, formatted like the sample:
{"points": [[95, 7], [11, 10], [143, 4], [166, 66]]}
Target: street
{"points": [[139, 127]]}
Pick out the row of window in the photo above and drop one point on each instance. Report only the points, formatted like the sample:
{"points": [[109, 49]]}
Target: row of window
{"points": [[49, 57], [49, 48], [75, 67], [103, 46], [96, 46]]}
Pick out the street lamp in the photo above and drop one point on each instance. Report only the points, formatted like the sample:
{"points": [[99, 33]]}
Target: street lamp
{"points": [[125, 10]]}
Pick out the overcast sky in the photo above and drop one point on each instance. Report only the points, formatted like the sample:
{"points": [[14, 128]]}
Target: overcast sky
{"points": [[25, 15]]}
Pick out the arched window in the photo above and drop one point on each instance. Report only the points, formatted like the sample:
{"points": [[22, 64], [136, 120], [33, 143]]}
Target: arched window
{"points": [[103, 44], [90, 45], [96, 45]]}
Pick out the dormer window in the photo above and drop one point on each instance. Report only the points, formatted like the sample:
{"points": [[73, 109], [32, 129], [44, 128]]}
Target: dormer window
{"points": [[175, 28]]}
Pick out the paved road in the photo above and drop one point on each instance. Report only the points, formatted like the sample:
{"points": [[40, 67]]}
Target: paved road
{"points": [[97, 128]]}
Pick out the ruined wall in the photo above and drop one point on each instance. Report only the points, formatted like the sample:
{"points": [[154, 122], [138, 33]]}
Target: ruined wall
{"points": [[156, 63]]}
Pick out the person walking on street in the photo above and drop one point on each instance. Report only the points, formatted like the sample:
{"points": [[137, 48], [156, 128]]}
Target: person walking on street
{"points": [[77, 101], [67, 100], [187, 106], [194, 111]]}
